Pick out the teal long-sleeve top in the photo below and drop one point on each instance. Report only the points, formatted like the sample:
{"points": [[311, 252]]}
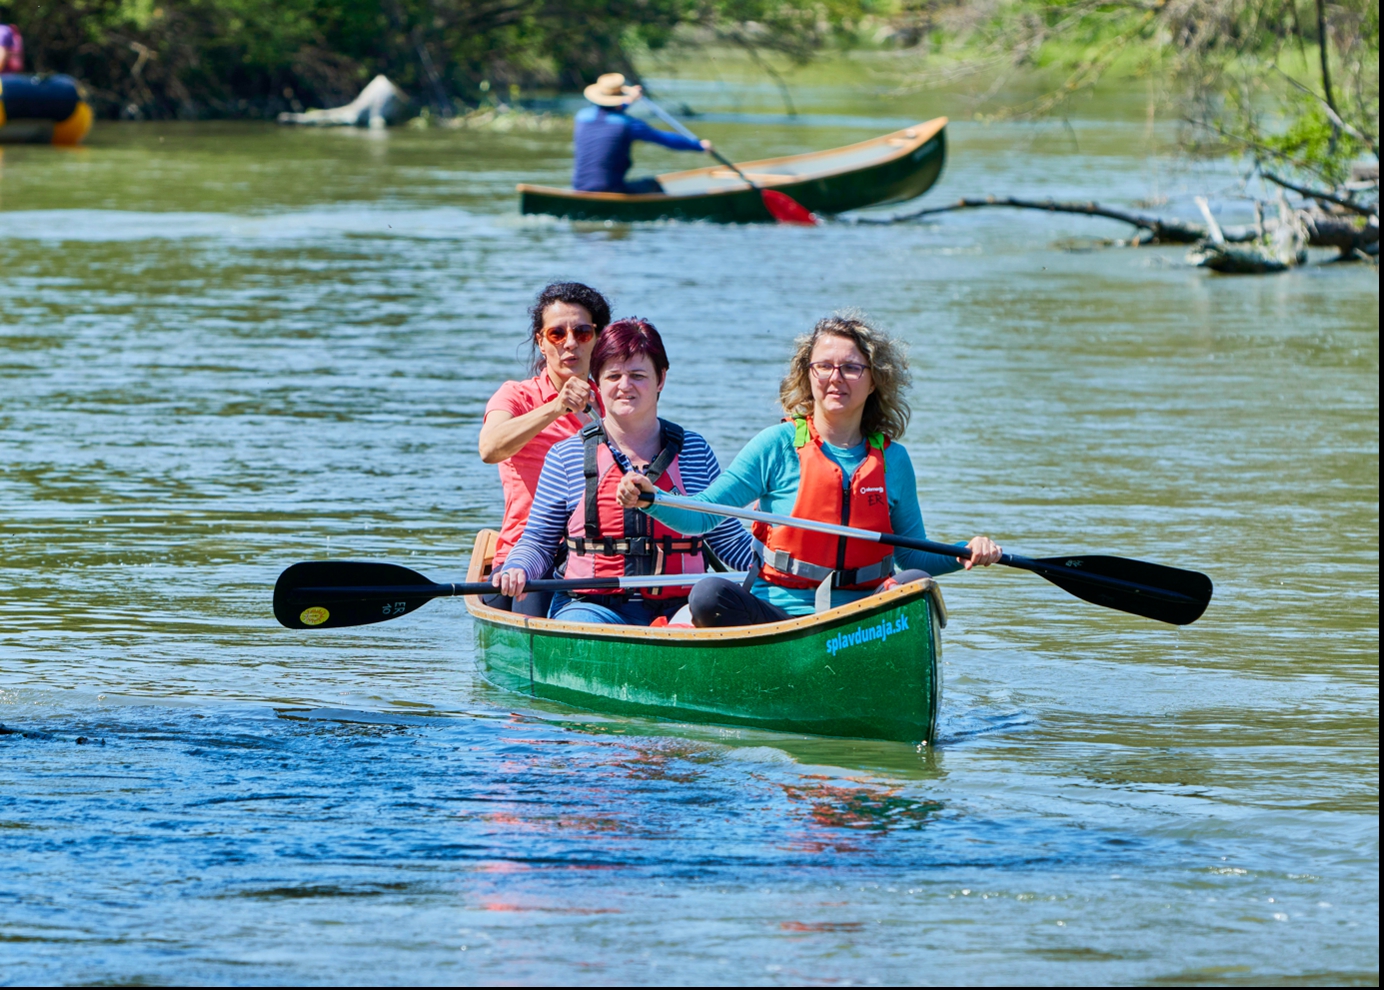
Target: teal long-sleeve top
{"points": [[767, 470]]}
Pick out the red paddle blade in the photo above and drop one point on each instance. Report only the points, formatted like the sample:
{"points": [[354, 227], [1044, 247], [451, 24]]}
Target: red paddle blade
{"points": [[786, 209]]}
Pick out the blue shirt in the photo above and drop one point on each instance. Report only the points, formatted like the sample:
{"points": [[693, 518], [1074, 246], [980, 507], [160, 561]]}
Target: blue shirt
{"points": [[767, 470], [602, 142]]}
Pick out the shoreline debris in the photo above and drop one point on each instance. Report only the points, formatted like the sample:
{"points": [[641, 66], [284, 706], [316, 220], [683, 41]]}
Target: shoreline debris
{"points": [[379, 104]]}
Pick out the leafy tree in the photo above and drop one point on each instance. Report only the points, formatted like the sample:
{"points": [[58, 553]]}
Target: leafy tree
{"points": [[192, 58]]}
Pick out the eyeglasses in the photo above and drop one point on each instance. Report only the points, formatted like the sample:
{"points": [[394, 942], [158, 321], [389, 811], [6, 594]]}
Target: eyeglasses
{"points": [[581, 333], [850, 371]]}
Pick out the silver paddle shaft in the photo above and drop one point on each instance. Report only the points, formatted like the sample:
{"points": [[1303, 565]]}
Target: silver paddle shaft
{"points": [[928, 546], [677, 125], [670, 120], [707, 508], [650, 581]]}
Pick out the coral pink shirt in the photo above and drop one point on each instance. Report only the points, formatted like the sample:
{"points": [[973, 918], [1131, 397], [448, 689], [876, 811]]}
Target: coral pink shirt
{"points": [[519, 474]]}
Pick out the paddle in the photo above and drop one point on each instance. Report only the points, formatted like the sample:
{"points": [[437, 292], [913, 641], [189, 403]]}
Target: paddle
{"points": [[781, 206], [326, 594], [1167, 594]]}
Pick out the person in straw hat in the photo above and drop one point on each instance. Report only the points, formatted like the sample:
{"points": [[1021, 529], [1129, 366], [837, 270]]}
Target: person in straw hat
{"points": [[605, 132]]}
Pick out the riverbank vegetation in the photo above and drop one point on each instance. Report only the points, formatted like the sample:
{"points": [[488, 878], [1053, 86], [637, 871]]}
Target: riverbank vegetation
{"points": [[257, 58], [1293, 84]]}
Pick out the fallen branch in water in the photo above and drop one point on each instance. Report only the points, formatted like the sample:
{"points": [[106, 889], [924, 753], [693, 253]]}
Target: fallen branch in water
{"points": [[1322, 197], [1163, 231], [1276, 251], [1322, 229]]}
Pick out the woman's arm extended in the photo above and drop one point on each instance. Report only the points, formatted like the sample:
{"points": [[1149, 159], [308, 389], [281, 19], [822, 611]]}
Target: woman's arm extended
{"points": [[906, 519], [504, 434], [643, 131]]}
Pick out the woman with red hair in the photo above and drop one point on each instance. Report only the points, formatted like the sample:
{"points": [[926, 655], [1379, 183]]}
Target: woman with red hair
{"points": [[575, 506]]}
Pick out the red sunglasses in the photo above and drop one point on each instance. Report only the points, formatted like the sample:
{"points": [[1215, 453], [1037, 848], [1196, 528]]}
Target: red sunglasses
{"points": [[581, 333]]}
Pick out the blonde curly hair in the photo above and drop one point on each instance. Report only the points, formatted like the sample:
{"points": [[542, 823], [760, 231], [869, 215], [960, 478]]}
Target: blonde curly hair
{"points": [[886, 410]]}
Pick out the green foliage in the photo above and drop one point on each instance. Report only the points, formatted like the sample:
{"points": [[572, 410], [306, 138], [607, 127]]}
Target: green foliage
{"points": [[257, 57], [1247, 73], [1312, 144]]}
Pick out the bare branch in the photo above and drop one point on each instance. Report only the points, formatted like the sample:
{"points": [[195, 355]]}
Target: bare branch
{"points": [[1326, 60], [1325, 197], [1166, 231]]}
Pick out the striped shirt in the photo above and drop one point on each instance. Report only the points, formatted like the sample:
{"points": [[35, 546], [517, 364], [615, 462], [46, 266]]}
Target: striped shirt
{"points": [[562, 491]]}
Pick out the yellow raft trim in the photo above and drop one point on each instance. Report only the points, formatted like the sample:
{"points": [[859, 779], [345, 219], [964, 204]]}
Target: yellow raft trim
{"points": [[75, 127]]}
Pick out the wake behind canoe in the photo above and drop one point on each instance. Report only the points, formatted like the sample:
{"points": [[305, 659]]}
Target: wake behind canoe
{"points": [[868, 669], [889, 168]]}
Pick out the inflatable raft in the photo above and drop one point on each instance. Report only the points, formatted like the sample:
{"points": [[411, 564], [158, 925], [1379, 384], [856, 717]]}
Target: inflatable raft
{"points": [[42, 110]]}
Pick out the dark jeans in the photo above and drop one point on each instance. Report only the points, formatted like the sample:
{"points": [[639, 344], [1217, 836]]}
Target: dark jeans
{"points": [[613, 610], [535, 603], [718, 602], [649, 185]]}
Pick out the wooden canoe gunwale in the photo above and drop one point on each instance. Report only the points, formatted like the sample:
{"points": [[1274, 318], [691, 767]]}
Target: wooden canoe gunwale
{"points": [[829, 190], [870, 669], [924, 132], [855, 611]]}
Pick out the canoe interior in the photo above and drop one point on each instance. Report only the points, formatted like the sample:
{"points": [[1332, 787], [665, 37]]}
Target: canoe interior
{"points": [[889, 168], [869, 669]]}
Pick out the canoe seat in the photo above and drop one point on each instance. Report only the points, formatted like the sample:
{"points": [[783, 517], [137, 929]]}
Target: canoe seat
{"points": [[481, 555]]}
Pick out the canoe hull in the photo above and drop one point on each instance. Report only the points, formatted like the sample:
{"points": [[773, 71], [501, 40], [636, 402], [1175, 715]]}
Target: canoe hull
{"points": [[906, 164], [866, 670]]}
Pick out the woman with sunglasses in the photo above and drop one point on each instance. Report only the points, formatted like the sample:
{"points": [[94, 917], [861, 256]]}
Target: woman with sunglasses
{"points": [[833, 460], [575, 505], [524, 419]]}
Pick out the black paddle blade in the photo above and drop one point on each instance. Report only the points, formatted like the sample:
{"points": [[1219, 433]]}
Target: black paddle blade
{"points": [[1154, 591], [321, 594]]}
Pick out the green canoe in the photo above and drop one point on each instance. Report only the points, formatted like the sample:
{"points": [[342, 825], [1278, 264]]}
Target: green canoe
{"points": [[869, 669], [885, 169]]}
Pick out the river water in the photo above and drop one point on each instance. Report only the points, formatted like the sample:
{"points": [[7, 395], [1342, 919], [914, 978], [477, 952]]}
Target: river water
{"points": [[225, 348]]}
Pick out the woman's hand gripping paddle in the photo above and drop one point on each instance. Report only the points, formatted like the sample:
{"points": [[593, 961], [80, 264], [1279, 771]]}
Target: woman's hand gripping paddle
{"points": [[327, 594], [781, 206], [1154, 591]]}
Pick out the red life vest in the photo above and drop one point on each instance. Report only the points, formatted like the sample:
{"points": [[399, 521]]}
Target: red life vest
{"points": [[797, 558], [605, 540]]}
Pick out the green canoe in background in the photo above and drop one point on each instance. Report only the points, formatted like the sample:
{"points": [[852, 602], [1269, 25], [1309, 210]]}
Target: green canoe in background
{"points": [[869, 669], [885, 169]]}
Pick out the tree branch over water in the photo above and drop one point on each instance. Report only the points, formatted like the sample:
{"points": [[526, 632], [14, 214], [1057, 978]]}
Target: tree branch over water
{"points": [[1312, 228], [1220, 64], [1166, 231]]}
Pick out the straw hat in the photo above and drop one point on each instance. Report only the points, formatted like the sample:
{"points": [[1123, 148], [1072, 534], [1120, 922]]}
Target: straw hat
{"points": [[609, 91]]}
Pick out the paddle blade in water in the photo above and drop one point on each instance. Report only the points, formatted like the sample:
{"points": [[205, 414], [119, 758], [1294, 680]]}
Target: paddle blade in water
{"points": [[786, 209], [327, 594], [1168, 594]]}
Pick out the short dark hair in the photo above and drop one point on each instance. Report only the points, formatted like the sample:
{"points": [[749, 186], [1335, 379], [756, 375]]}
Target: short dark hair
{"points": [[625, 338], [574, 294]]}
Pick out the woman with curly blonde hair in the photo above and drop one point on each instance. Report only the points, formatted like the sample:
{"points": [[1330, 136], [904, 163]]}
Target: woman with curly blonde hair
{"points": [[834, 459]]}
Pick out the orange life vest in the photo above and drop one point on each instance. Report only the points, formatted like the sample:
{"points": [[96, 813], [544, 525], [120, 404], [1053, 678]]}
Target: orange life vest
{"points": [[797, 558], [605, 540]]}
